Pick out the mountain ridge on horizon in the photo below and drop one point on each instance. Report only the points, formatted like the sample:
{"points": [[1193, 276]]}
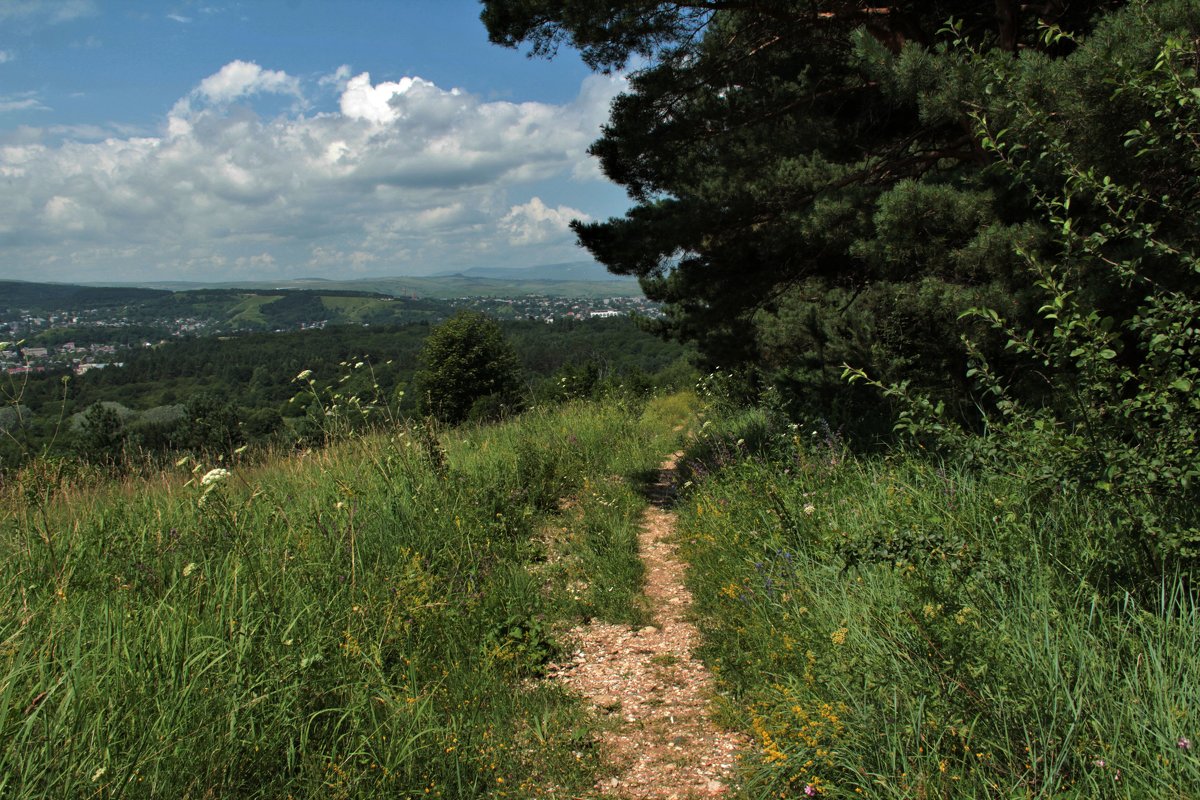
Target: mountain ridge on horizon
{"points": [[588, 271]]}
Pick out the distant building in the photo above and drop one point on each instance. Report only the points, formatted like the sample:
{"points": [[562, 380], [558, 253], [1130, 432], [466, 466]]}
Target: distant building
{"points": [[82, 368], [35, 352]]}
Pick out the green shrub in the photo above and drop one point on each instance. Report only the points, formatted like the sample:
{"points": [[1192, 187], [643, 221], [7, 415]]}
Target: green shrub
{"points": [[1114, 355], [468, 370]]}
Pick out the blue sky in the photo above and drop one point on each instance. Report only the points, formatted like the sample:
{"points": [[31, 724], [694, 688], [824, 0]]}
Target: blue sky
{"points": [[264, 139]]}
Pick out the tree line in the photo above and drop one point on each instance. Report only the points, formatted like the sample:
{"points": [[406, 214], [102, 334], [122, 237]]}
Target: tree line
{"points": [[219, 393]]}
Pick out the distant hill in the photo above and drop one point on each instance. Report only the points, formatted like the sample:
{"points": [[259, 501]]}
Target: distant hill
{"points": [[16, 295], [288, 304], [441, 287], [588, 271], [241, 307]]}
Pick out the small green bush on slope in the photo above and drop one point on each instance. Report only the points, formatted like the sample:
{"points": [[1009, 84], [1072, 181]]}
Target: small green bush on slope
{"points": [[358, 622], [891, 628]]}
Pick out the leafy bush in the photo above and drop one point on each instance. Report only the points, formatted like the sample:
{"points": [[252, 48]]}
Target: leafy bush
{"points": [[1124, 372], [468, 370], [1114, 355]]}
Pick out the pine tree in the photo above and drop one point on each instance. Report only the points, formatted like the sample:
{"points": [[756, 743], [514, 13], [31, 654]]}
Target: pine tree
{"points": [[808, 188]]}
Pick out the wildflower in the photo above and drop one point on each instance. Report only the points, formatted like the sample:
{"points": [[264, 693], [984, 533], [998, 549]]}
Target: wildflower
{"points": [[1101, 763], [839, 636], [189, 568], [809, 509], [1184, 743], [214, 475], [305, 375], [810, 790]]}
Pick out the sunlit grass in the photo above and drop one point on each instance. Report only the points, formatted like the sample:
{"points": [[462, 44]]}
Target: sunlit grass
{"points": [[891, 628], [362, 620]]}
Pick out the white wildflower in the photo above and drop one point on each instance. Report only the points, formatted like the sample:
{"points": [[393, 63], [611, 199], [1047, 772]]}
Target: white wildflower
{"points": [[809, 509], [305, 375], [213, 476]]}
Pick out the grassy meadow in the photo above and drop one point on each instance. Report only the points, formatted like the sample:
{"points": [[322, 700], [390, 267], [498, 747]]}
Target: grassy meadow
{"points": [[372, 619], [360, 621], [893, 627]]}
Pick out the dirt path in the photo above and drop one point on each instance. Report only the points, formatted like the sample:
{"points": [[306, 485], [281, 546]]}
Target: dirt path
{"points": [[662, 743]]}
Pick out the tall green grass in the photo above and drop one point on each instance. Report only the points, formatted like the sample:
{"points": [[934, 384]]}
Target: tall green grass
{"points": [[890, 627], [364, 620]]}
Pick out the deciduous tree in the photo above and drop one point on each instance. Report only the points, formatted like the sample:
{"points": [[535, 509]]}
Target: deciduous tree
{"points": [[468, 370]]}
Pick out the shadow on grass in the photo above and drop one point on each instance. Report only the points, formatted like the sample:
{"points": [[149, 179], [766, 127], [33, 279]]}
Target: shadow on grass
{"points": [[656, 485]]}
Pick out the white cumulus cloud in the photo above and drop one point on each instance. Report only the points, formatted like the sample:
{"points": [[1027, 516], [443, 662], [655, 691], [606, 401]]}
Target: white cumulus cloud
{"points": [[242, 78], [237, 80], [399, 176], [534, 222]]}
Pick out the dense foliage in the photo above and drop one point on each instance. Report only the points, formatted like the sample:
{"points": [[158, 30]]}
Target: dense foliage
{"points": [[252, 377], [809, 186], [988, 211], [468, 369], [1099, 393]]}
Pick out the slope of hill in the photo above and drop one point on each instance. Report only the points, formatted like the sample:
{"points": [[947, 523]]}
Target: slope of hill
{"points": [[385, 616], [244, 307], [370, 620], [572, 271], [15, 295], [443, 287]]}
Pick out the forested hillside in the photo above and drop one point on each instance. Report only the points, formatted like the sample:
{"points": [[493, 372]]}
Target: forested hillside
{"points": [[245, 385]]}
